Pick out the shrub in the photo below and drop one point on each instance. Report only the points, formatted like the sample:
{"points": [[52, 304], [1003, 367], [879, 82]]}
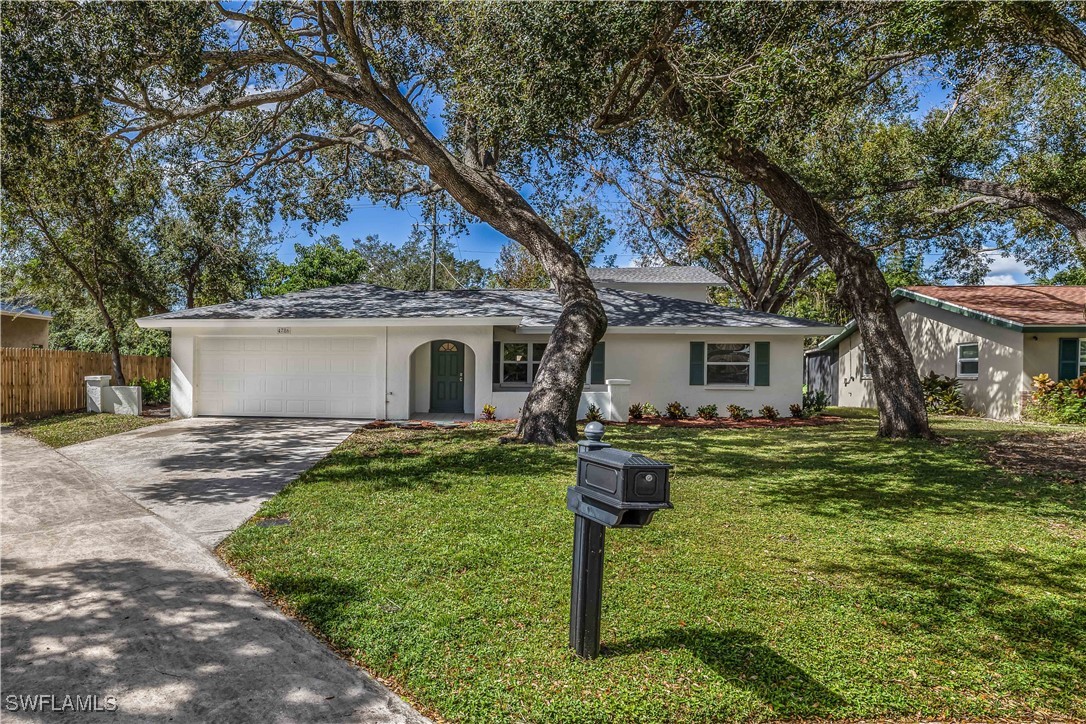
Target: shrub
{"points": [[769, 412], [593, 414], [738, 413], [815, 403], [707, 412], [676, 411], [637, 411], [650, 410], [154, 391], [796, 410], [942, 394], [490, 412], [1057, 402]]}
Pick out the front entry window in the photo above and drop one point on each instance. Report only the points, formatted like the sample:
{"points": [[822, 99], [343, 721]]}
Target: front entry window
{"points": [[520, 361]]}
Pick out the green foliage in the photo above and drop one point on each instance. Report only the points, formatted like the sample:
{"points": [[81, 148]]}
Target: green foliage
{"points": [[796, 410], [676, 411], [769, 412], [738, 413], [324, 263], [804, 574], [636, 411], [489, 412], [593, 414], [942, 394], [815, 403], [650, 410], [580, 224], [154, 391], [707, 412], [408, 266], [1057, 402]]}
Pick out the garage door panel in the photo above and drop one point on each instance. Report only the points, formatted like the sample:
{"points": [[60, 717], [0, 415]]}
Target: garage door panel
{"points": [[301, 377]]}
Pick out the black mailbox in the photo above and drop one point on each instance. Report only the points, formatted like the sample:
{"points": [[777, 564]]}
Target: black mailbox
{"points": [[616, 488]]}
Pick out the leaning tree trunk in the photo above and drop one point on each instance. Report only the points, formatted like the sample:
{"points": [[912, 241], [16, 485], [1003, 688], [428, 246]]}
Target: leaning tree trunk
{"points": [[549, 414], [897, 386]]}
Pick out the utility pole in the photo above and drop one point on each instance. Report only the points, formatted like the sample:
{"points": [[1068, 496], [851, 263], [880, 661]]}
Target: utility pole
{"points": [[433, 250]]}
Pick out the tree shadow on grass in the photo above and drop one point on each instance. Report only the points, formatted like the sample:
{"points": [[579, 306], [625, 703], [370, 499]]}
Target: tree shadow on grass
{"points": [[746, 661]]}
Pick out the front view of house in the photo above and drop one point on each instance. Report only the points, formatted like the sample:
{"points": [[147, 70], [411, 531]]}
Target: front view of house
{"points": [[369, 352]]}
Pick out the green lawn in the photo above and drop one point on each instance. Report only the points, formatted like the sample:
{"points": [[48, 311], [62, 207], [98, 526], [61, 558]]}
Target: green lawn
{"points": [[813, 572], [61, 430]]}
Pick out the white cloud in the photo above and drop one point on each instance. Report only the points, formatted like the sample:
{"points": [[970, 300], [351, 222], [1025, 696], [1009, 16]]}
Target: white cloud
{"points": [[1005, 269], [996, 280]]}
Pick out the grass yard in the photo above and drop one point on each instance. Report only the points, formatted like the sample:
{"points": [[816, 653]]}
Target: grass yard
{"points": [[804, 573], [61, 430]]}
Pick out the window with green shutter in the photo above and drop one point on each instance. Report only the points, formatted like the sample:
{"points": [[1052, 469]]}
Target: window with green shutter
{"points": [[1071, 358], [596, 371], [761, 364], [697, 363]]}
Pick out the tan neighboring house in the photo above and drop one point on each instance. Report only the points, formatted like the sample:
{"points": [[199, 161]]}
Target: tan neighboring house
{"points": [[994, 339], [23, 326]]}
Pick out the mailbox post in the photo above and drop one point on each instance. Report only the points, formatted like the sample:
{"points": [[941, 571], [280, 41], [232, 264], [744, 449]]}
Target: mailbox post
{"points": [[615, 489]]}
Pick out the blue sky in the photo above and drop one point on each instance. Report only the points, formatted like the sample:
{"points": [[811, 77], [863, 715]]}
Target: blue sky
{"points": [[482, 242]]}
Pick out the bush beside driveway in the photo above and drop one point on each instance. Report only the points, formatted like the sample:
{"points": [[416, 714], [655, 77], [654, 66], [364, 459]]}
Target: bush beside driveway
{"points": [[804, 573]]}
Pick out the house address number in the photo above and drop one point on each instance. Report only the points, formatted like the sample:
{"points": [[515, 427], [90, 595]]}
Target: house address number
{"points": [[283, 330]]}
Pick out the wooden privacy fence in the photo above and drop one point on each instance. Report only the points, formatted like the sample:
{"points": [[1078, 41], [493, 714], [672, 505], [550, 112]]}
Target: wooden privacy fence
{"points": [[36, 382]]}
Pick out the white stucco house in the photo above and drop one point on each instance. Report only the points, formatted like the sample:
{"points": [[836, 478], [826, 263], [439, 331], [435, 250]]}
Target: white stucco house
{"points": [[363, 351], [994, 339]]}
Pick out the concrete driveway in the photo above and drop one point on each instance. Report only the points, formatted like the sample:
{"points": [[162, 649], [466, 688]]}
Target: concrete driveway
{"points": [[208, 475], [118, 597]]}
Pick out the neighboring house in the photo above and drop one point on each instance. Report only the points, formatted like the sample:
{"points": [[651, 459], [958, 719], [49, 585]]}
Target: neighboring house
{"points": [[994, 339], [23, 326], [364, 351], [681, 282]]}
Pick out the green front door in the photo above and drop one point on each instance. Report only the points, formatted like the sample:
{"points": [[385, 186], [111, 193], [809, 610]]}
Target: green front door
{"points": [[446, 376]]}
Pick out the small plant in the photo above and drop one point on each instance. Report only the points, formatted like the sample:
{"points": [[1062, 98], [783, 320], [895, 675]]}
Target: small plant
{"points": [[738, 413], [814, 403], [676, 411], [796, 410], [650, 410], [942, 394], [490, 413], [707, 412], [769, 412], [593, 414], [1042, 385], [637, 411], [154, 391]]}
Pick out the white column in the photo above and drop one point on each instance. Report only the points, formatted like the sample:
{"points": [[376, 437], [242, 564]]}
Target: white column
{"points": [[96, 385], [619, 403], [182, 374]]}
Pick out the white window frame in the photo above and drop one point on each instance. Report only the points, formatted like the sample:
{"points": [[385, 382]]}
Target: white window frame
{"points": [[733, 385], [865, 369], [958, 364], [531, 362]]}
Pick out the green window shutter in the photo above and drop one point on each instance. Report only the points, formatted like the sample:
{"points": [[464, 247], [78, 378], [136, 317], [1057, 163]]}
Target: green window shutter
{"points": [[596, 366], [1068, 359], [497, 363], [697, 363], [761, 364]]}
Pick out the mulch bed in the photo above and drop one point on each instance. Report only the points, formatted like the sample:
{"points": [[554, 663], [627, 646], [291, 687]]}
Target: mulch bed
{"points": [[696, 422], [754, 422], [1060, 456]]}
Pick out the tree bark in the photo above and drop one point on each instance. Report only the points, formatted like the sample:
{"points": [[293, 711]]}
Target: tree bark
{"points": [[897, 385], [1045, 20]]}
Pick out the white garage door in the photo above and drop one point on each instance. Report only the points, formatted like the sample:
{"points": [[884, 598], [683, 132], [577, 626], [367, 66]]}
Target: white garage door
{"points": [[288, 377]]}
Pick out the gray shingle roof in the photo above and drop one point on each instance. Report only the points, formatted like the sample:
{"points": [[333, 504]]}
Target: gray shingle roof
{"points": [[654, 275], [17, 309], [536, 308]]}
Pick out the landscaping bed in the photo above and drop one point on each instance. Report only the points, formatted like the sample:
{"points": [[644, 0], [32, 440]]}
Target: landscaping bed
{"points": [[804, 573], [747, 424]]}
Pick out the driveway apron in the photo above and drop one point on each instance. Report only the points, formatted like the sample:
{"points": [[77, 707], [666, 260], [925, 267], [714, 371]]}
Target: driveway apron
{"points": [[111, 591]]}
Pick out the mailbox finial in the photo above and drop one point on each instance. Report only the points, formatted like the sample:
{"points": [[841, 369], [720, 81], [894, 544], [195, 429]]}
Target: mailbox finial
{"points": [[594, 431]]}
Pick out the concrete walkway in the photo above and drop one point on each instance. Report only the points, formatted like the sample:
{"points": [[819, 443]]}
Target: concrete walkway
{"points": [[103, 597]]}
